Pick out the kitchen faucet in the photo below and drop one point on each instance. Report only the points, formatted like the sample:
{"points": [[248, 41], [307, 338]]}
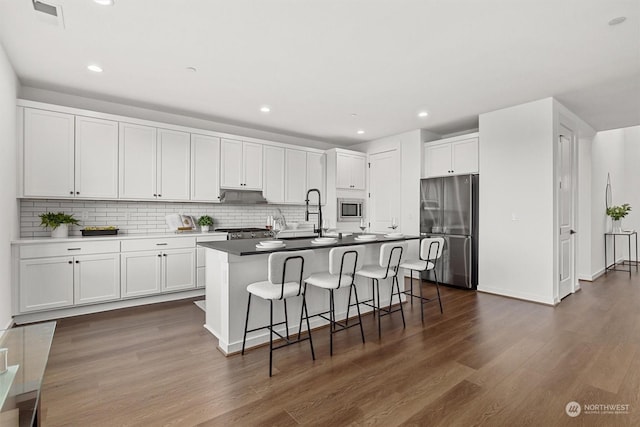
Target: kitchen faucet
{"points": [[319, 213]]}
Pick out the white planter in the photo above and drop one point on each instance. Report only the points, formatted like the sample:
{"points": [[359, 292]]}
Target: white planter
{"points": [[204, 228], [60, 232]]}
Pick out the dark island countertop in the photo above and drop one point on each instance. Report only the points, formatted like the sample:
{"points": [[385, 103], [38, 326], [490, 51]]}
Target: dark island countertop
{"points": [[244, 247]]}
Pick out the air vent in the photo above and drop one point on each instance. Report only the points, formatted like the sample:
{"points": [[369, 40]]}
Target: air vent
{"points": [[49, 12]]}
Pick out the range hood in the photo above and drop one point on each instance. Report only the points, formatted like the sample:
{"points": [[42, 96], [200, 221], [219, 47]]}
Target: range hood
{"points": [[242, 197]]}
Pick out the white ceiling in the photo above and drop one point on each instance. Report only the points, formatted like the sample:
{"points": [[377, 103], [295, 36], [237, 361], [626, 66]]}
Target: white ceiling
{"points": [[315, 62]]}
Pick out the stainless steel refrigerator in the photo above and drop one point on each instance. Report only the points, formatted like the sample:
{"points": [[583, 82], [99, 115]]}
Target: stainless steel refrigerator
{"points": [[449, 209]]}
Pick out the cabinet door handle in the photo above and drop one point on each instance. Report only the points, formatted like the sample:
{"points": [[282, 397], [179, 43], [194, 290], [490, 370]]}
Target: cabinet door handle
{"points": [[74, 249], [164, 254], [161, 244], [159, 195], [77, 262], [159, 255], [70, 262], [77, 192], [155, 195], [70, 192]]}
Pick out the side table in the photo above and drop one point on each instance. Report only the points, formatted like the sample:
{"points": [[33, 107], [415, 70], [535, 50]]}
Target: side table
{"points": [[628, 235]]}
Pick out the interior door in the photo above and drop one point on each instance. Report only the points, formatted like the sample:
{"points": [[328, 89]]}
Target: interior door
{"points": [[566, 206], [384, 190]]}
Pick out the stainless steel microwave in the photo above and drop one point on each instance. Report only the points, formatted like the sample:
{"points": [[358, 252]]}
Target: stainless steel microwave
{"points": [[350, 209]]}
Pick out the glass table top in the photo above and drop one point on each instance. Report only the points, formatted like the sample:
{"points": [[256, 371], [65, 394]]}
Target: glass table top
{"points": [[27, 355]]}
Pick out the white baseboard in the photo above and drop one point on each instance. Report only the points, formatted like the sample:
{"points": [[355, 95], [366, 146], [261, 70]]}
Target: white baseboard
{"points": [[107, 306], [525, 296]]}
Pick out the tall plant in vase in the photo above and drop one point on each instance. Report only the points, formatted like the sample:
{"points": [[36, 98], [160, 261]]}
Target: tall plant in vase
{"points": [[617, 213]]}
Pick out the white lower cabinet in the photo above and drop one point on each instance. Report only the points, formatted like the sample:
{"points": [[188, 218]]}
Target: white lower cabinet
{"points": [[66, 274], [178, 270], [46, 283], [140, 273], [56, 282], [96, 278], [152, 272]]}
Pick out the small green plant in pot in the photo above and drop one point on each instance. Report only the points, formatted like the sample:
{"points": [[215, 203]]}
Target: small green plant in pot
{"points": [[205, 222], [617, 213], [58, 223]]}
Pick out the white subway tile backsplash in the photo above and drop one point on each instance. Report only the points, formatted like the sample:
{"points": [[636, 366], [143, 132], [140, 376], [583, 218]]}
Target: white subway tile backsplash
{"points": [[145, 217]]}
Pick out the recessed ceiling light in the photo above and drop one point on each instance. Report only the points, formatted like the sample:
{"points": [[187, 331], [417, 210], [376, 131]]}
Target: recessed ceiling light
{"points": [[353, 114], [192, 69], [104, 2], [618, 20], [423, 114], [265, 109], [95, 68], [360, 132]]}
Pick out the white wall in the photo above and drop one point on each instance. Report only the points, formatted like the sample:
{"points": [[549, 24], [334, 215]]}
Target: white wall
{"points": [[9, 213], [585, 233], [616, 152], [632, 177], [607, 157], [59, 98], [517, 202]]}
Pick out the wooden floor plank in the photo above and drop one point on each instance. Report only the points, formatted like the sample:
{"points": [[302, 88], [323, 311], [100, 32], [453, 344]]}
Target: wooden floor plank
{"points": [[487, 360]]}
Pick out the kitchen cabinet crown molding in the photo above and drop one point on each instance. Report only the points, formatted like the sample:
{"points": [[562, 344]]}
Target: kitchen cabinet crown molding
{"points": [[144, 122]]}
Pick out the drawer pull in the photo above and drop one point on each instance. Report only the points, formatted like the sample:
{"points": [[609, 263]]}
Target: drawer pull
{"points": [[74, 249], [161, 244]]}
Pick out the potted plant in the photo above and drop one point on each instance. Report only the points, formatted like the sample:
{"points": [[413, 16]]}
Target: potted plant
{"points": [[205, 222], [58, 223], [617, 213]]}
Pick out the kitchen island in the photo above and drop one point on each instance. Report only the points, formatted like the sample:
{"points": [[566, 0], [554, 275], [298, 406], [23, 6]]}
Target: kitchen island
{"points": [[234, 264]]}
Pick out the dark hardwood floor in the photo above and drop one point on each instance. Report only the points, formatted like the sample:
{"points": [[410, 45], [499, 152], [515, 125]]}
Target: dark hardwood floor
{"points": [[487, 361]]}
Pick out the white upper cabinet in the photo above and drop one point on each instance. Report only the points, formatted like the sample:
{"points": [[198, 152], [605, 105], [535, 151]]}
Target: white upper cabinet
{"points": [[452, 156], [173, 165], [69, 156], [350, 171], [252, 166], [296, 176], [231, 164], [273, 174], [137, 162], [154, 163], [48, 154], [96, 158], [205, 169], [240, 165], [316, 172]]}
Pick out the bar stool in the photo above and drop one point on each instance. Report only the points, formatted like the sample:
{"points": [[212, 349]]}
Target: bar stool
{"points": [[344, 262], [387, 268], [282, 283], [430, 252]]}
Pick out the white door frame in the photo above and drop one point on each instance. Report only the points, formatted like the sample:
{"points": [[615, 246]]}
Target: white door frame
{"points": [[565, 132]]}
